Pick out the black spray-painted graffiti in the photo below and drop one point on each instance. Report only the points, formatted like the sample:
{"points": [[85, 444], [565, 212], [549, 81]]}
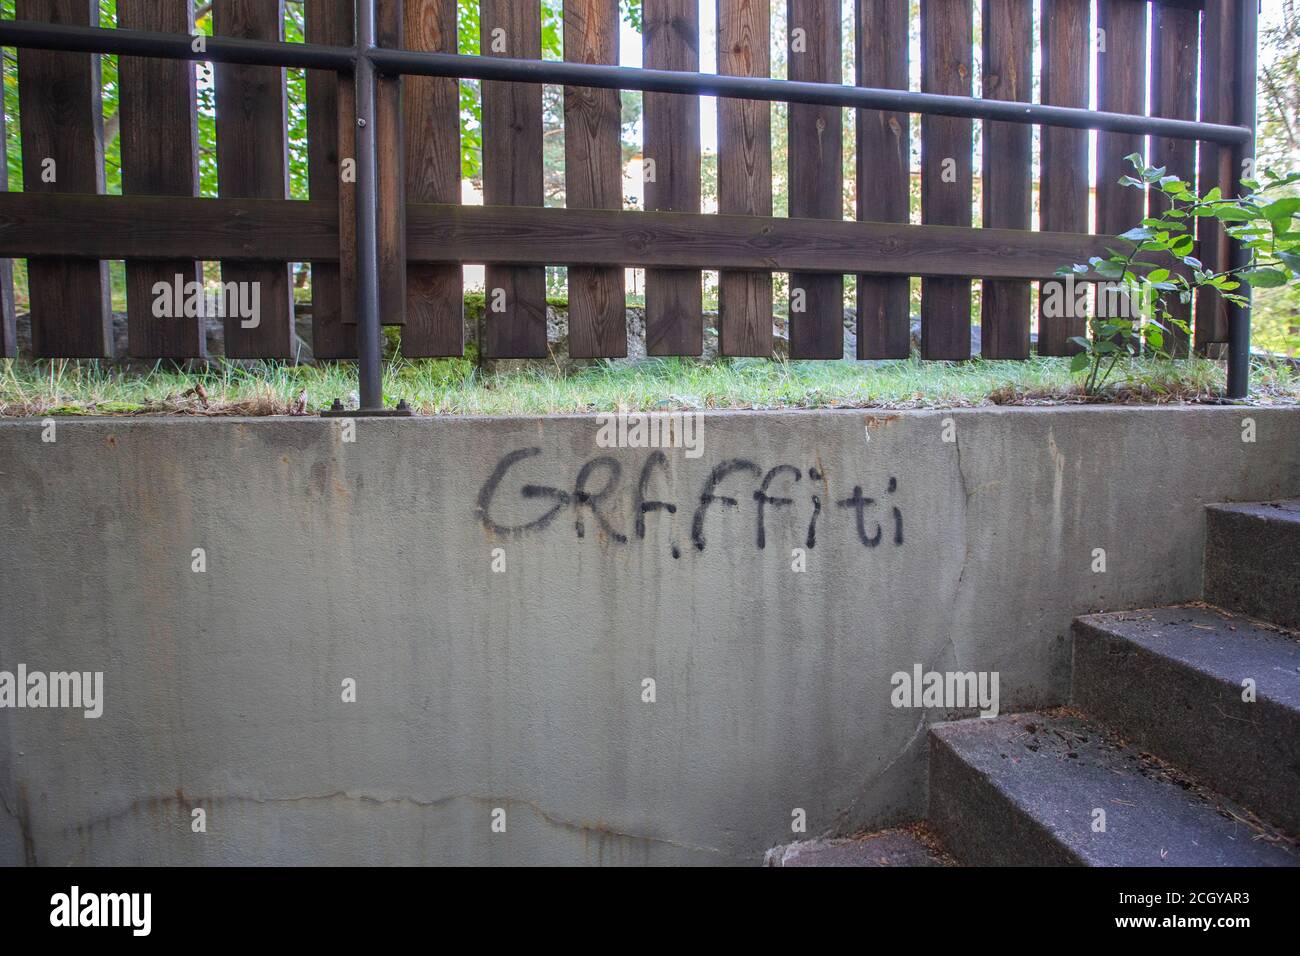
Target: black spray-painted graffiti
{"points": [[598, 479]]}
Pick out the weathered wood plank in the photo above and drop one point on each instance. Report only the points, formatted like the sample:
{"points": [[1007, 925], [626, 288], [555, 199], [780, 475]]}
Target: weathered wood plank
{"points": [[816, 174], [62, 138], [252, 162], [435, 298], [512, 175], [1008, 28], [1121, 88], [744, 172], [159, 228], [946, 170], [8, 314], [883, 174], [1218, 96], [1066, 31], [593, 177], [329, 22], [159, 145], [1174, 69], [673, 299], [390, 184], [349, 292]]}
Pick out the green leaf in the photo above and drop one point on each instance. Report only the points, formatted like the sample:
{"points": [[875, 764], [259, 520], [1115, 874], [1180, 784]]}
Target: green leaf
{"points": [[1138, 234], [1080, 362], [1157, 276], [1265, 278], [1279, 213], [1228, 213]]}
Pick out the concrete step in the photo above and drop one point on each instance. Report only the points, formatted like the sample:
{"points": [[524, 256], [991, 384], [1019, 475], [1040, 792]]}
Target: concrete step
{"points": [[1170, 680], [1024, 789], [1252, 559], [913, 845]]}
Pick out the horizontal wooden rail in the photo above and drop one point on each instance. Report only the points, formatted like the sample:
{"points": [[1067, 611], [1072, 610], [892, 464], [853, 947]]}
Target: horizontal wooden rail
{"points": [[147, 227], [167, 227], [710, 241]]}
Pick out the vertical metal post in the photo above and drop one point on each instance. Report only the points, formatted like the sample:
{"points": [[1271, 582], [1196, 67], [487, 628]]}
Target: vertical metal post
{"points": [[1239, 315], [369, 354], [369, 331]]}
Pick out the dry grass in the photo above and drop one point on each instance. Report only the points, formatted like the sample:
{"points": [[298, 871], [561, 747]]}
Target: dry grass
{"points": [[447, 387]]}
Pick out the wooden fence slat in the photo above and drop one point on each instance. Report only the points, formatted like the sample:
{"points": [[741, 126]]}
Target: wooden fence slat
{"points": [[1218, 94], [1066, 46], [63, 151], [159, 146], [252, 162], [884, 174], [816, 175], [946, 170], [329, 22], [593, 176], [435, 297], [1174, 68], [1008, 29], [8, 312], [512, 175], [674, 315], [1121, 88], [744, 172], [390, 185], [347, 205]]}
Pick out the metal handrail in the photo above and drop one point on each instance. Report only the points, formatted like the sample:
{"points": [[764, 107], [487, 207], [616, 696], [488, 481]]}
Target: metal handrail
{"points": [[81, 39]]}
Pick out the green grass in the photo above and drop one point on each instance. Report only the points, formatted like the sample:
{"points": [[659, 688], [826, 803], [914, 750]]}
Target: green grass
{"points": [[457, 387]]}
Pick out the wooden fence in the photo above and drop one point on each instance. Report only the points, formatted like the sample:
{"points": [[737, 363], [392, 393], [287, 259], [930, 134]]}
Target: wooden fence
{"points": [[66, 230]]}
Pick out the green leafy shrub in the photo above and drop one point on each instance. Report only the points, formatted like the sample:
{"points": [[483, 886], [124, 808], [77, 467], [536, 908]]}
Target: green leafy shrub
{"points": [[1263, 219]]}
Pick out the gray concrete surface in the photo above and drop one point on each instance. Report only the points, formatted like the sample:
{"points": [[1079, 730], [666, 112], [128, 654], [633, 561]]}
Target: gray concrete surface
{"points": [[522, 690], [1252, 559], [1171, 681], [1055, 790], [894, 847]]}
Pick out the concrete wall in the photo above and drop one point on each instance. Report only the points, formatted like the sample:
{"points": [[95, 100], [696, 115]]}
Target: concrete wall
{"points": [[521, 690]]}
